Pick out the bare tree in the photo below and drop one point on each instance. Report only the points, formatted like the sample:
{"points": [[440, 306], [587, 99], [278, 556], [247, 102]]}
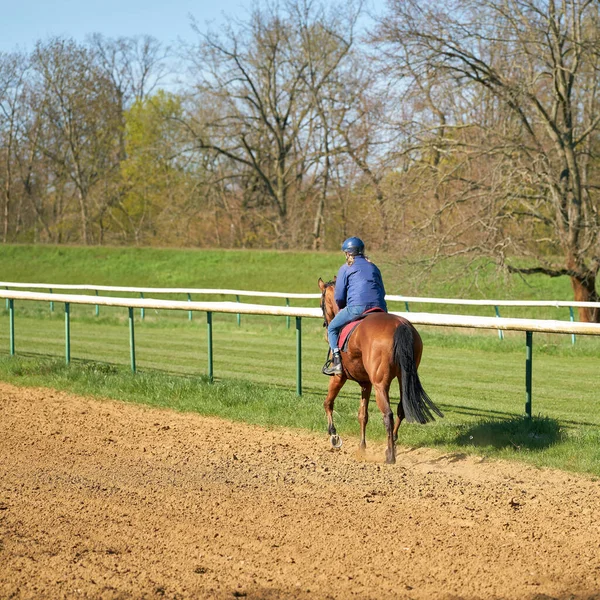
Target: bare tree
{"points": [[514, 140], [13, 70], [255, 102], [338, 81], [135, 65], [81, 119]]}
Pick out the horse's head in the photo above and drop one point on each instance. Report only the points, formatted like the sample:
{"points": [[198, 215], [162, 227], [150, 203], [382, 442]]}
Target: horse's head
{"points": [[328, 304]]}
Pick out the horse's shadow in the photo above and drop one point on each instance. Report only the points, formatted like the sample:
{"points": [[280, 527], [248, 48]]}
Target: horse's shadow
{"points": [[535, 433]]}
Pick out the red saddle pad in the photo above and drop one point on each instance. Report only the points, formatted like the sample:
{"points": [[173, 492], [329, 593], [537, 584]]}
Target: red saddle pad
{"points": [[349, 328]]}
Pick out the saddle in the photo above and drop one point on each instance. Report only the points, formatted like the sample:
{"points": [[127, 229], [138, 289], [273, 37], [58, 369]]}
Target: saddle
{"points": [[347, 330]]}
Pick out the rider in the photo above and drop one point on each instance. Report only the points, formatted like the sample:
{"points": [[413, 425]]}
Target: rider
{"points": [[358, 288]]}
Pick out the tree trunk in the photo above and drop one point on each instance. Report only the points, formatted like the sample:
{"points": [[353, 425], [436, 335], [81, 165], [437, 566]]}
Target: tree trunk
{"points": [[584, 290], [6, 211], [84, 217]]}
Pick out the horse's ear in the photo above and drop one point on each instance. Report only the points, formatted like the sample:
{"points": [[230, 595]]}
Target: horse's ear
{"points": [[321, 284]]}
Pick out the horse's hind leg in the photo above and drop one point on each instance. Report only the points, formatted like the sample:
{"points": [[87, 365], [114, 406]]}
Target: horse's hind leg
{"points": [[335, 385], [363, 414], [383, 402]]}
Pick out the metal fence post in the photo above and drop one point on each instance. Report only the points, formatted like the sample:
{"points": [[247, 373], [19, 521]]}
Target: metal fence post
{"points": [[131, 340], [500, 332], [11, 319], [239, 316], [97, 306], [528, 371], [189, 311], [210, 345], [67, 333], [299, 356], [287, 303], [51, 303], [572, 319], [143, 310]]}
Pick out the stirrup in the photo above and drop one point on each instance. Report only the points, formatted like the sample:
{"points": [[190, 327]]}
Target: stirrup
{"points": [[329, 368]]}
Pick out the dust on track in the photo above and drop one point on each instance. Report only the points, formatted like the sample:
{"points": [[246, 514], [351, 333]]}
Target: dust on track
{"points": [[102, 499]]}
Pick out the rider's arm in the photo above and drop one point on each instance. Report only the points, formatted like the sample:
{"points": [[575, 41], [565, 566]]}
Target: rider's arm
{"points": [[341, 288]]}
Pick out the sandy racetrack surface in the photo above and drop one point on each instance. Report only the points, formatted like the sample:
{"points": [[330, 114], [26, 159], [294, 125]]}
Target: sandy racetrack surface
{"points": [[100, 499]]}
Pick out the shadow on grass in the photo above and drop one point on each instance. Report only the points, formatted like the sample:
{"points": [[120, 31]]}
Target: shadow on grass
{"points": [[534, 433]]}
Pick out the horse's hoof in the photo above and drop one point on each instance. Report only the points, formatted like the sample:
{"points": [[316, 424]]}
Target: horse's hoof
{"points": [[336, 441]]}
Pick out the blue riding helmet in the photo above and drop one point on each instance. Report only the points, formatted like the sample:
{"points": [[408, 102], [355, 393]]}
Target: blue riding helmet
{"points": [[353, 246]]}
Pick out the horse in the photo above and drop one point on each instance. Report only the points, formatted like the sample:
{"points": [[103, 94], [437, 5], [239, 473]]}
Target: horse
{"points": [[383, 347]]}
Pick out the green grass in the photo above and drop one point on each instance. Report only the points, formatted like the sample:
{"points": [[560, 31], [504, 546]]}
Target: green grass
{"points": [[475, 378], [293, 272]]}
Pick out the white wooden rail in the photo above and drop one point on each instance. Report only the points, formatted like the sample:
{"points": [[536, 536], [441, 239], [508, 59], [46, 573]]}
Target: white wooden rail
{"points": [[287, 296], [418, 318], [527, 325], [257, 294], [151, 290]]}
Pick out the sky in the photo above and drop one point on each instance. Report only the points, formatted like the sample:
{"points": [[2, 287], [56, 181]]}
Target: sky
{"points": [[23, 22]]}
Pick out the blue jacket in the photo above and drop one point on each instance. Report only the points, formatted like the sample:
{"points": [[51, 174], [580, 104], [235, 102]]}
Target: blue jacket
{"points": [[360, 284]]}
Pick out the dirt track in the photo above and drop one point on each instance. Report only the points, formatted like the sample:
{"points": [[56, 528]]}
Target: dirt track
{"points": [[109, 500]]}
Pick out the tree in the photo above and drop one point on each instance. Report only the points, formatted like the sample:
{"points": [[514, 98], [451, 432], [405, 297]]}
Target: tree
{"points": [[515, 146], [153, 194], [13, 68], [257, 102], [81, 122]]}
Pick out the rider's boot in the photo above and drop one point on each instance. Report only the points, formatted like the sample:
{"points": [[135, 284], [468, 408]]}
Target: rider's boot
{"points": [[335, 367]]}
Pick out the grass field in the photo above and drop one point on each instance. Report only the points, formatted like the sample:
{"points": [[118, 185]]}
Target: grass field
{"points": [[475, 378]]}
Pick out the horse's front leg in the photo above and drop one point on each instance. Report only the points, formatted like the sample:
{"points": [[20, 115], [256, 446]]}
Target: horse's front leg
{"points": [[335, 385], [363, 414]]}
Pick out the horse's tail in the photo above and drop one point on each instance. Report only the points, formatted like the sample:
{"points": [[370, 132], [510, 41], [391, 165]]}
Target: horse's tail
{"points": [[417, 405]]}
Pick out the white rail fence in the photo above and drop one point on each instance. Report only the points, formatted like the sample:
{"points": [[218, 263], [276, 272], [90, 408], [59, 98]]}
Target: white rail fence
{"points": [[529, 326], [289, 295], [238, 294]]}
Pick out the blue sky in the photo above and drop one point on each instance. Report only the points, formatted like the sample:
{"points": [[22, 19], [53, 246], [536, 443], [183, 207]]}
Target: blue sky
{"points": [[23, 22]]}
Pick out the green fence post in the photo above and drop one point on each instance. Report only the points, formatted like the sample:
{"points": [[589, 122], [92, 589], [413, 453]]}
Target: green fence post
{"points": [[143, 310], [572, 319], [67, 333], [51, 302], [131, 340], [7, 300], [97, 305], [500, 332], [287, 303], [11, 319], [528, 371], [210, 345], [189, 311], [239, 316], [299, 356], [407, 307]]}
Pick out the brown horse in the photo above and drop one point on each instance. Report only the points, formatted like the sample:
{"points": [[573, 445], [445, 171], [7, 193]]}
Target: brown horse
{"points": [[382, 348]]}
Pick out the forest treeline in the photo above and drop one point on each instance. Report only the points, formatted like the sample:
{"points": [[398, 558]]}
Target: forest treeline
{"points": [[442, 129]]}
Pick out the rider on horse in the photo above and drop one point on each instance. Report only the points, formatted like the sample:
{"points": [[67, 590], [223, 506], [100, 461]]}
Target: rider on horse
{"points": [[358, 288]]}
